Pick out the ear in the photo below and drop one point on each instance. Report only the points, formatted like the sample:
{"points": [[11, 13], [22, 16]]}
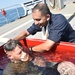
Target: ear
{"points": [[4, 50], [48, 17]]}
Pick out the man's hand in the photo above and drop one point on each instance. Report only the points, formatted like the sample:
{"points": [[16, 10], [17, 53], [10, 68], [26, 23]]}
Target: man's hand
{"points": [[39, 62]]}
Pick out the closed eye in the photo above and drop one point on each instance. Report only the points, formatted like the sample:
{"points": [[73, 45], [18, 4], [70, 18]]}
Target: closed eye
{"points": [[20, 52], [8, 56], [37, 19]]}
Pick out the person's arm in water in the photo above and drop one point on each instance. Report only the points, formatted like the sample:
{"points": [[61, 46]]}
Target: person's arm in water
{"points": [[22, 35]]}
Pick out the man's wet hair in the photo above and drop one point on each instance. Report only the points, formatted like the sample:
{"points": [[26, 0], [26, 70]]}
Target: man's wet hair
{"points": [[11, 44], [41, 7]]}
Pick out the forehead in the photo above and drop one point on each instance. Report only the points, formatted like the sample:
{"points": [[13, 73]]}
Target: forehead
{"points": [[37, 13], [15, 51]]}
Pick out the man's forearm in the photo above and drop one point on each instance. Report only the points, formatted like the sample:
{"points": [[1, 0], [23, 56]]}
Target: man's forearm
{"points": [[43, 47], [22, 35]]}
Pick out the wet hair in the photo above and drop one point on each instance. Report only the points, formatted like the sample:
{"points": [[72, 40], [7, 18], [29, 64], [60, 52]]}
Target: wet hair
{"points": [[41, 7], [11, 44]]}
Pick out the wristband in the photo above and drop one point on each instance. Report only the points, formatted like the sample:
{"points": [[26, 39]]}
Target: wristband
{"points": [[31, 49]]}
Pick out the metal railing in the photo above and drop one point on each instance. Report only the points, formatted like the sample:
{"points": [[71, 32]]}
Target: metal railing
{"points": [[29, 5], [12, 13], [16, 11]]}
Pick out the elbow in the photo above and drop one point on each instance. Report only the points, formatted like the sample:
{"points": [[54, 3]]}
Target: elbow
{"points": [[47, 48], [48, 45]]}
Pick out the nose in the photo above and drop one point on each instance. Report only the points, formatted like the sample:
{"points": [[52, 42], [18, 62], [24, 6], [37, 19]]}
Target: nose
{"points": [[36, 22]]}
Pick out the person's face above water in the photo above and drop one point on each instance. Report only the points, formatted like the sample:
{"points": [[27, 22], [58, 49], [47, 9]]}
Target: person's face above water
{"points": [[39, 19], [17, 54]]}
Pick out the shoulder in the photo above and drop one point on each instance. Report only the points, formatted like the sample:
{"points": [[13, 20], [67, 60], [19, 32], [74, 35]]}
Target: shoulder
{"points": [[39, 61], [58, 18], [61, 17]]}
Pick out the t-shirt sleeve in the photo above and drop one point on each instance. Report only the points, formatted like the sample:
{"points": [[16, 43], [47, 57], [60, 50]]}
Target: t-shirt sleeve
{"points": [[58, 29], [33, 29]]}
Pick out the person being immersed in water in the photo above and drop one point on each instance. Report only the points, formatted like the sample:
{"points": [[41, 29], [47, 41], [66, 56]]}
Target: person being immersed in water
{"points": [[23, 62]]}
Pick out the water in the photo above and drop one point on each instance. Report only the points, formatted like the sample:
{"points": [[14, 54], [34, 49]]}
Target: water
{"points": [[11, 15]]}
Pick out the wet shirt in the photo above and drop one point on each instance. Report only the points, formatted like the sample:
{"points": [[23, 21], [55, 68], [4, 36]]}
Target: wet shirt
{"points": [[58, 28]]}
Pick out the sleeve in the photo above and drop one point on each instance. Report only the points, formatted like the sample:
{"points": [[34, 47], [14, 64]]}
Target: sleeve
{"points": [[58, 29], [33, 29]]}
